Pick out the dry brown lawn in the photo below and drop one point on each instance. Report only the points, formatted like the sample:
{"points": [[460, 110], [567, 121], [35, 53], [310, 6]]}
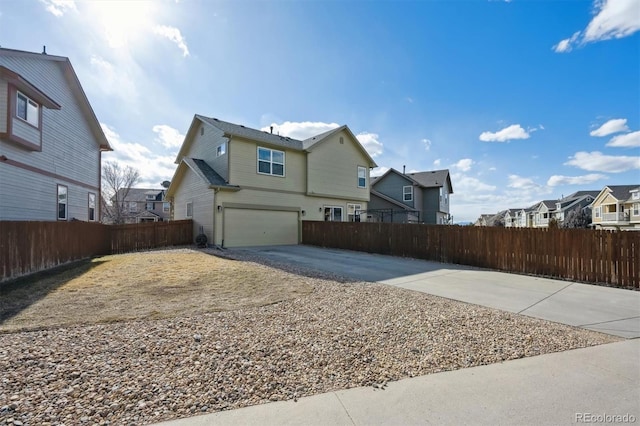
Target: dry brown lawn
{"points": [[157, 284]]}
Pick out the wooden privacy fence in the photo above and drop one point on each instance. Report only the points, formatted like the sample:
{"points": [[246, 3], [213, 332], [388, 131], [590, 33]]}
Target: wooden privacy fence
{"points": [[27, 247], [600, 257]]}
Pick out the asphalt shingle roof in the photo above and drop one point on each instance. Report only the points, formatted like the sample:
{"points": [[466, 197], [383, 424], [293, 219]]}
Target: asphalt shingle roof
{"points": [[434, 178], [621, 192], [205, 170], [253, 134]]}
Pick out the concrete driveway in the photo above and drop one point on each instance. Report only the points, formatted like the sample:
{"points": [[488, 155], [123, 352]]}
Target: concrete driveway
{"points": [[604, 309]]}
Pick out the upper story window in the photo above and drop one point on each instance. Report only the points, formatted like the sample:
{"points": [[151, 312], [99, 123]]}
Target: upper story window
{"points": [[92, 207], [189, 212], [62, 202], [166, 207], [407, 193], [133, 207], [150, 206], [151, 197], [362, 177], [28, 110], [270, 162], [221, 150], [635, 195]]}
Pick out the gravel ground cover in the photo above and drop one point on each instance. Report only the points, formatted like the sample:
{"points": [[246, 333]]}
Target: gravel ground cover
{"points": [[342, 335]]}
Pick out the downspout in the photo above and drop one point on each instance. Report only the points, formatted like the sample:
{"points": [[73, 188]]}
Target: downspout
{"points": [[215, 192]]}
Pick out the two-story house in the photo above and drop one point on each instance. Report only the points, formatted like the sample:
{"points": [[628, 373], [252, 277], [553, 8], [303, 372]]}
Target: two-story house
{"points": [[50, 141], [617, 207], [246, 187], [421, 197], [578, 200], [139, 205]]}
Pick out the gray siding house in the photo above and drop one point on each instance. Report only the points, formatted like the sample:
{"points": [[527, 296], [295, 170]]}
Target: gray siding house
{"points": [[422, 197], [50, 141]]}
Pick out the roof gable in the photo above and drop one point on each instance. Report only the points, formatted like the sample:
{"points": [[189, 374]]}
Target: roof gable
{"points": [[310, 144], [619, 192], [395, 172], [74, 86]]}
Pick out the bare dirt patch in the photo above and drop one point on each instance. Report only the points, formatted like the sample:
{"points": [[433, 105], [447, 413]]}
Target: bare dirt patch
{"points": [[157, 284]]}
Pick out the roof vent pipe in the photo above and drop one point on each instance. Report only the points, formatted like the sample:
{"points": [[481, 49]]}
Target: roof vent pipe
{"points": [[403, 169], [44, 50], [271, 129]]}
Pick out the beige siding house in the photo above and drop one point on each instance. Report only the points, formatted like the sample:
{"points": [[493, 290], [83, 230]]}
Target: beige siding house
{"points": [[246, 187], [50, 141], [617, 207]]}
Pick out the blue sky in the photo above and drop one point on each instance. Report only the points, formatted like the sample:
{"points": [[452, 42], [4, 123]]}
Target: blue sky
{"points": [[521, 100]]}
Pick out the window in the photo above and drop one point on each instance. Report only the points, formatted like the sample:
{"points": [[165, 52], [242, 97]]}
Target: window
{"points": [[189, 209], [353, 212], [92, 206], [62, 202], [28, 110], [221, 149], [636, 209], [150, 206], [635, 195], [598, 211], [270, 162], [166, 207], [407, 193], [151, 197], [362, 177], [133, 207], [333, 214]]}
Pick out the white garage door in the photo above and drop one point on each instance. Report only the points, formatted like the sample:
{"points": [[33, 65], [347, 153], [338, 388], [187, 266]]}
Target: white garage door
{"points": [[245, 227]]}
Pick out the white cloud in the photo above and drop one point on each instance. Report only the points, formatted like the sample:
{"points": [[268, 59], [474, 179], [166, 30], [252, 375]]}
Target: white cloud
{"points": [[59, 7], [437, 162], [371, 143], [427, 144], [629, 140], [467, 186], [153, 168], [112, 81], [598, 162], [519, 182], [566, 44], [616, 125], [515, 131], [464, 164], [557, 180], [300, 130], [173, 34], [379, 171], [613, 19], [168, 136]]}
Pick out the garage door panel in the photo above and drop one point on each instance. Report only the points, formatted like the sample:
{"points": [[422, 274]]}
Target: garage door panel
{"points": [[245, 227]]}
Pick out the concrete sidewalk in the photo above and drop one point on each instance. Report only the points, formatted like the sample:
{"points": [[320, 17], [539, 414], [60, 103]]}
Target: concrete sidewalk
{"points": [[554, 389]]}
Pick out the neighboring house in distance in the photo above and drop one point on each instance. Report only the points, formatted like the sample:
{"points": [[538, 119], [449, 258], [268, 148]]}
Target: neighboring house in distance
{"points": [[422, 197], [50, 141], [246, 187], [491, 219], [617, 207], [577, 200], [142, 205], [513, 218], [542, 212]]}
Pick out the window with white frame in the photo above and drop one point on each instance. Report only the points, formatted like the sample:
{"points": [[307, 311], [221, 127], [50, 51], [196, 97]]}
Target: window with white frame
{"points": [[221, 150], [636, 209], [353, 212], [598, 211], [362, 177], [63, 202], [635, 195], [150, 206], [166, 207], [332, 214], [270, 162], [189, 209], [27, 109], [407, 193], [133, 207], [92, 207]]}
